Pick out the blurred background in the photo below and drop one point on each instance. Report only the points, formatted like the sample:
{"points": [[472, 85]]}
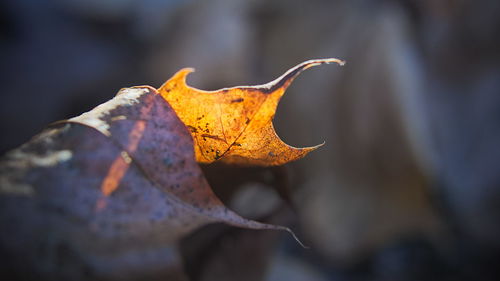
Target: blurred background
{"points": [[407, 186]]}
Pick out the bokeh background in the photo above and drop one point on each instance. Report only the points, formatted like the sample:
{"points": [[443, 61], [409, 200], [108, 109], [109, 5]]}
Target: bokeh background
{"points": [[407, 186]]}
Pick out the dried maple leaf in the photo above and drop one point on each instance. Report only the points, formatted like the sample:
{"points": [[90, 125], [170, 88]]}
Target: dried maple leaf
{"points": [[235, 124], [113, 190]]}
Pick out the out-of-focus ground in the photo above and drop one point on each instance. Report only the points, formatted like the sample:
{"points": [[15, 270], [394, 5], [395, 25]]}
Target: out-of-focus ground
{"points": [[407, 185]]}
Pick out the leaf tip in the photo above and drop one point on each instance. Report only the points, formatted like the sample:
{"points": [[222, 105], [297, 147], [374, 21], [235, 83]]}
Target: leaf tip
{"points": [[308, 149], [179, 78], [334, 60], [318, 146], [287, 78], [315, 62], [183, 73], [296, 238]]}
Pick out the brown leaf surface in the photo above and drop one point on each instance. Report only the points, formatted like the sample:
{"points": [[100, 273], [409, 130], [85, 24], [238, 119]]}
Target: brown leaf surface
{"points": [[235, 124]]}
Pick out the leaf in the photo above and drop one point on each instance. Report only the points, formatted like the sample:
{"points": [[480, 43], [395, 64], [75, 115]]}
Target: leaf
{"points": [[108, 194], [235, 124], [111, 191]]}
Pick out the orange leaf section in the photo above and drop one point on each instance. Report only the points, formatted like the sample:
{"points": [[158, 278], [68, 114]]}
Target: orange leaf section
{"points": [[235, 124]]}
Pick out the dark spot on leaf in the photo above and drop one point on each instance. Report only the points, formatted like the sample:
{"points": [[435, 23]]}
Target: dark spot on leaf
{"points": [[237, 100], [213, 137], [192, 129], [217, 155]]}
